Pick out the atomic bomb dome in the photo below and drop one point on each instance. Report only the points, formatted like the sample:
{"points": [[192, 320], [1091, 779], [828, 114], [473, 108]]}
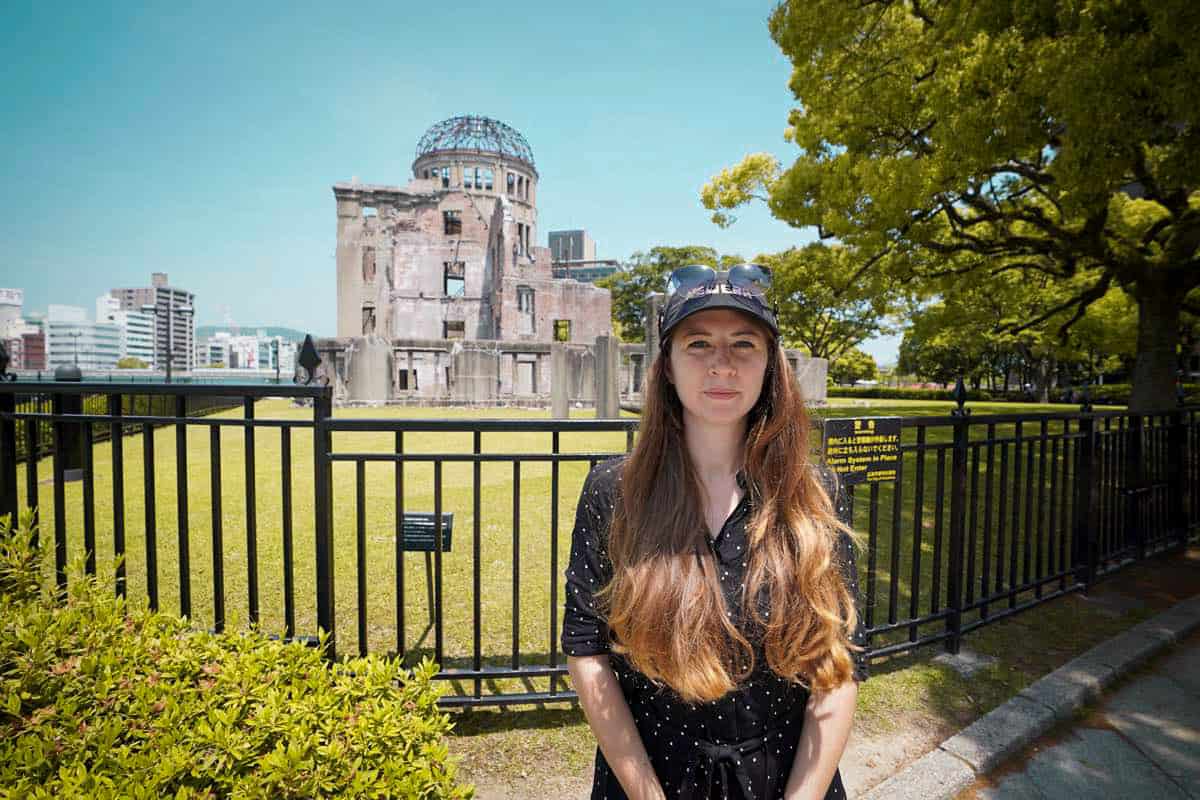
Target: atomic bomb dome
{"points": [[475, 134]]}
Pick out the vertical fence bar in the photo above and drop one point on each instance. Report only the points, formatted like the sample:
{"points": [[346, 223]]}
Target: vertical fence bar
{"points": [[918, 512], [33, 446], [150, 493], [1085, 543], [8, 457], [872, 550], [117, 438], [1177, 461], [251, 513], [1015, 533], [181, 505], [89, 498], [360, 549], [1134, 471], [554, 449], [986, 576], [218, 530], [285, 493], [323, 524], [958, 490], [516, 566], [400, 546], [439, 628], [1027, 539], [935, 601], [60, 495], [477, 563], [973, 508], [1001, 516], [1069, 477], [894, 551], [1040, 541]]}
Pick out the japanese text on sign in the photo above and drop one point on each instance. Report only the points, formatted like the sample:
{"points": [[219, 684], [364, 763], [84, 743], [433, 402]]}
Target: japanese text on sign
{"points": [[863, 449]]}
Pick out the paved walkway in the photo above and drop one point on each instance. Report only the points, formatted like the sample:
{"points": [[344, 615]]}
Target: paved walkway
{"points": [[1141, 740]]}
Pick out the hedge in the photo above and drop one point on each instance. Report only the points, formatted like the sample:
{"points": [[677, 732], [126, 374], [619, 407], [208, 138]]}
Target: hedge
{"points": [[1112, 394], [102, 700]]}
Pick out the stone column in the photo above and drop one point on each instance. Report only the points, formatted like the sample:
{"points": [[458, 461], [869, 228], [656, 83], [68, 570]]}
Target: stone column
{"points": [[608, 363], [560, 379]]}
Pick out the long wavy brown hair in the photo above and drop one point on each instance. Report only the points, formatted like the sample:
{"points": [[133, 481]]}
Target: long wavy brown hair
{"points": [[665, 603]]}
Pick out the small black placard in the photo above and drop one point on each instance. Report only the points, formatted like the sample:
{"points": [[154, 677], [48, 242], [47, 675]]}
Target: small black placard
{"points": [[863, 449]]}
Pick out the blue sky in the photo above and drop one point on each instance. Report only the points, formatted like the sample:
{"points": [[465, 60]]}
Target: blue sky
{"points": [[203, 140]]}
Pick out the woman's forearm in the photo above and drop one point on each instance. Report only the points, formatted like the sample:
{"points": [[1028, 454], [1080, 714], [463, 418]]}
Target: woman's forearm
{"points": [[827, 720], [612, 724]]}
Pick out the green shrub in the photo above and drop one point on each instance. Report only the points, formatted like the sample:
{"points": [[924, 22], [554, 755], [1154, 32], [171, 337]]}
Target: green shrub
{"points": [[894, 393], [101, 700]]}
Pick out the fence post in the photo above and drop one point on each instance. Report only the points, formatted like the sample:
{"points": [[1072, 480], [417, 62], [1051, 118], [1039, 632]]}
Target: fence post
{"points": [[1134, 485], [958, 516], [8, 457], [1177, 460], [1085, 549], [323, 510]]}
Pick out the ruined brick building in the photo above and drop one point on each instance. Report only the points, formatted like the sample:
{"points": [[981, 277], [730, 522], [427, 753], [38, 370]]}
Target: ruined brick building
{"points": [[453, 253]]}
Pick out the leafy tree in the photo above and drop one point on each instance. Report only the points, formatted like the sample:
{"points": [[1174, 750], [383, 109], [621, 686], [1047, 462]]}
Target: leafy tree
{"points": [[645, 273], [825, 305], [853, 366], [1053, 139], [132, 362]]}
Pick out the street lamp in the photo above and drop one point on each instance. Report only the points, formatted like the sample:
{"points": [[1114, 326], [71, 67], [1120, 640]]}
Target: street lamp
{"points": [[75, 345], [275, 348], [152, 308]]}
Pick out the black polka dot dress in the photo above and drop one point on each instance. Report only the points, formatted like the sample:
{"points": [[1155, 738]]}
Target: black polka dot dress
{"points": [[739, 747]]}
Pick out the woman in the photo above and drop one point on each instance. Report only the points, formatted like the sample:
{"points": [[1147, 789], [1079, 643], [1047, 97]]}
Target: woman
{"points": [[710, 626]]}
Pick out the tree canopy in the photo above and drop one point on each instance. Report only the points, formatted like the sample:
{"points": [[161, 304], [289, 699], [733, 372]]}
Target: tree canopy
{"points": [[825, 306], [645, 273], [1046, 138]]}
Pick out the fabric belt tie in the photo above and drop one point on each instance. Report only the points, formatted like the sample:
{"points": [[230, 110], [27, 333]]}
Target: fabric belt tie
{"points": [[719, 767]]}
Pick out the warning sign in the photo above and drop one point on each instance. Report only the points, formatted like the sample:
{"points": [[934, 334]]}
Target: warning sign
{"points": [[863, 449]]}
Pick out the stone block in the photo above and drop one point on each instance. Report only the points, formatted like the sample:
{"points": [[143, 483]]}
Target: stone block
{"points": [[1071, 686], [934, 776], [1001, 732], [560, 382]]}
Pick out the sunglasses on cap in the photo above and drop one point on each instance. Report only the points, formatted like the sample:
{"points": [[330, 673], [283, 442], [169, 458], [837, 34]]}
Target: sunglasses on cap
{"points": [[696, 280]]}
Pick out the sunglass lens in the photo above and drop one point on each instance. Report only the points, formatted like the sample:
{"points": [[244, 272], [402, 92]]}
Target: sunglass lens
{"points": [[689, 276], [750, 273]]}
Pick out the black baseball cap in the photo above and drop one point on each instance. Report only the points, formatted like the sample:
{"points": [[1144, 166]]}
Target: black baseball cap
{"points": [[698, 288]]}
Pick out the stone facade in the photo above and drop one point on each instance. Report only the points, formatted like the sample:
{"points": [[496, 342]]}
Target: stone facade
{"points": [[452, 255]]}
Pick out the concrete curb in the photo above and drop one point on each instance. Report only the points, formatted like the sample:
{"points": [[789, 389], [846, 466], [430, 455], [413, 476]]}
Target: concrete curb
{"points": [[982, 746]]}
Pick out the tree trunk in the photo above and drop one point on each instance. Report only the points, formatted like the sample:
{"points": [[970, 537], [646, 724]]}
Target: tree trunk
{"points": [[1156, 363]]}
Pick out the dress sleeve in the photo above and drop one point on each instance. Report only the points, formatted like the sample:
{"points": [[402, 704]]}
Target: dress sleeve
{"points": [[847, 559], [585, 633]]}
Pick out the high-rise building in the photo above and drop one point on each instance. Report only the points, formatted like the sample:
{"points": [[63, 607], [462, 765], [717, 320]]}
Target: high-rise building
{"points": [[71, 338], [571, 246], [174, 319], [136, 328]]}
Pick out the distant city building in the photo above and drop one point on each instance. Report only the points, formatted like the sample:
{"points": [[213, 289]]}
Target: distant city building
{"points": [[136, 328], [71, 338], [257, 351], [586, 271], [571, 246], [171, 319], [11, 301]]}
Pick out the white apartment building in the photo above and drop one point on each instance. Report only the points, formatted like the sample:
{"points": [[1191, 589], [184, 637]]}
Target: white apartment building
{"points": [[136, 328], [71, 338]]}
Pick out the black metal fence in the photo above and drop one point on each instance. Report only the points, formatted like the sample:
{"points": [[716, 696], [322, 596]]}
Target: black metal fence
{"points": [[990, 515]]}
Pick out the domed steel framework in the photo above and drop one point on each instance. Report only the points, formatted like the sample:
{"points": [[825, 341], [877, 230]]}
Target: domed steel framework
{"points": [[475, 133]]}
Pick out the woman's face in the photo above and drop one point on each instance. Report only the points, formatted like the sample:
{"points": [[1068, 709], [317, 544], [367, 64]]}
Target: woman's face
{"points": [[717, 361]]}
